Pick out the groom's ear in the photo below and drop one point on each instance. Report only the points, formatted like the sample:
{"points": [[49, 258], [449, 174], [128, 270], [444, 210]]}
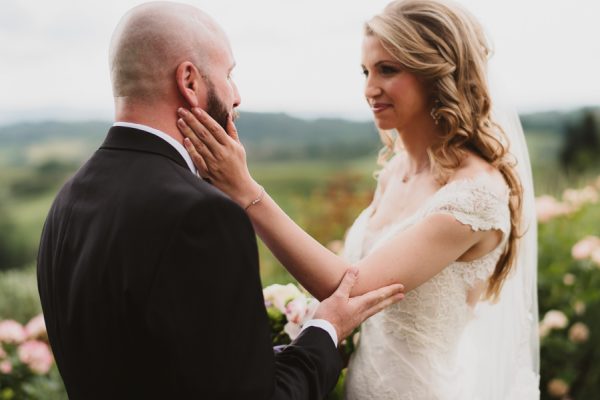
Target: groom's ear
{"points": [[191, 84]]}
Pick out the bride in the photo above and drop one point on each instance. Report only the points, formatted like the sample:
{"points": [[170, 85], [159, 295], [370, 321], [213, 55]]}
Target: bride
{"points": [[450, 218]]}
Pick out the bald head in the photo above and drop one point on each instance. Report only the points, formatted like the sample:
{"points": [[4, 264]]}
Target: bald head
{"points": [[150, 42]]}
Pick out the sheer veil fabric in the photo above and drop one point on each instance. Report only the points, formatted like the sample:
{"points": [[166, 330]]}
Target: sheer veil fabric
{"points": [[499, 350]]}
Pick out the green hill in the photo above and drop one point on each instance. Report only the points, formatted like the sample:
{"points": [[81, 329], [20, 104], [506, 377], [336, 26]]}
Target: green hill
{"points": [[267, 137]]}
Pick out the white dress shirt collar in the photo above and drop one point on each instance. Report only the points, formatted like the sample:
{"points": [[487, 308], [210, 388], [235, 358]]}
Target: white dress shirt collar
{"points": [[169, 139]]}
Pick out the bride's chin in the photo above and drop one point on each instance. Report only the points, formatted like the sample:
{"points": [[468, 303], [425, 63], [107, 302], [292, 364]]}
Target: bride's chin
{"points": [[384, 125]]}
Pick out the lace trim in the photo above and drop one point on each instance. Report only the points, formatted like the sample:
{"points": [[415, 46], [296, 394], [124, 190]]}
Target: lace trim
{"points": [[474, 202]]}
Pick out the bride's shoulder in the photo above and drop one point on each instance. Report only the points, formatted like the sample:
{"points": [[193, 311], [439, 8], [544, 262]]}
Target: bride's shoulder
{"points": [[476, 169]]}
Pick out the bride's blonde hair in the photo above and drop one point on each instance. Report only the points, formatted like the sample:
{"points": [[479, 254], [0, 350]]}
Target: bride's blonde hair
{"points": [[443, 44]]}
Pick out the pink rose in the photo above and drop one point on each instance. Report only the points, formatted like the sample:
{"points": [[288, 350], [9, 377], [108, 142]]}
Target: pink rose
{"points": [[585, 247], [36, 328], [596, 256], [5, 367], [292, 330], [579, 333], [555, 319], [279, 295], [36, 355], [295, 310], [547, 208], [558, 388], [580, 197], [12, 332], [301, 309]]}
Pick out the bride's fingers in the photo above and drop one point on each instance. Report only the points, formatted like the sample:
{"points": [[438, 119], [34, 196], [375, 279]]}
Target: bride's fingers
{"points": [[213, 127], [196, 158], [201, 131], [199, 146], [196, 139], [231, 129], [185, 129]]}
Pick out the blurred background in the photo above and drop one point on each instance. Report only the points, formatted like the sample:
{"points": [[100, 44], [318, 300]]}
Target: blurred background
{"points": [[310, 139]]}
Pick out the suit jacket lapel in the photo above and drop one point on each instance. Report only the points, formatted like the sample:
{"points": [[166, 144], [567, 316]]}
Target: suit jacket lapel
{"points": [[132, 139]]}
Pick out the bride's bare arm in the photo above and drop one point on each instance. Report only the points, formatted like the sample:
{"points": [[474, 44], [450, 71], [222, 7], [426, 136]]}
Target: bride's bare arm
{"points": [[411, 258]]}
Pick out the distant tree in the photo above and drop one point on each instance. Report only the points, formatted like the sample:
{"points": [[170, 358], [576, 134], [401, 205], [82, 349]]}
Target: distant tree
{"points": [[581, 147]]}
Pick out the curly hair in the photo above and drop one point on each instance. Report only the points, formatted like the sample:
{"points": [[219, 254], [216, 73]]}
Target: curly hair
{"points": [[446, 46]]}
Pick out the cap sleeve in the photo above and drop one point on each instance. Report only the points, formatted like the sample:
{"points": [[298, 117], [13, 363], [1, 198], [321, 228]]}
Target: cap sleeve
{"points": [[475, 202]]}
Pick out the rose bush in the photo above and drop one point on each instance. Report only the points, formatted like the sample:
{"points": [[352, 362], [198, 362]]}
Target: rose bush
{"points": [[25, 361], [569, 294]]}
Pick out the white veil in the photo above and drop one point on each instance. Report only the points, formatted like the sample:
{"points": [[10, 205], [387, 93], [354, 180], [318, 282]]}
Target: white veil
{"points": [[500, 348]]}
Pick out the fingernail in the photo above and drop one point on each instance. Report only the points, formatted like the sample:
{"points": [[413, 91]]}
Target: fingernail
{"points": [[180, 121], [187, 142], [180, 111]]}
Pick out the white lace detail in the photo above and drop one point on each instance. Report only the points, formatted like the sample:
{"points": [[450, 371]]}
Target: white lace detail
{"points": [[408, 350]]}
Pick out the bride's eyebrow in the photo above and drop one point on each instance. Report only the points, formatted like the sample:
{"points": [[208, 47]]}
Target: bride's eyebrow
{"points": [[378, 63], [396, 63]]}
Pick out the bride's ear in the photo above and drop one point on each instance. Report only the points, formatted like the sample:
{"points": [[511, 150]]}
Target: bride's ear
{"points": [[191, 84]]}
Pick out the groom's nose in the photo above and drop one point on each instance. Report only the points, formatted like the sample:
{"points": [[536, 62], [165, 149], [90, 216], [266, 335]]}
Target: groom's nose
{"points": [[236, 95]]}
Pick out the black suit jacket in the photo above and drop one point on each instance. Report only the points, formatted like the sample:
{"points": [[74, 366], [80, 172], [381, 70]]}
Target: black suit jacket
{"points": [[149, 283]]}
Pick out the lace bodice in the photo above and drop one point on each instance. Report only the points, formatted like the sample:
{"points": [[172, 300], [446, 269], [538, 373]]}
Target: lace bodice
{"points": [[408, 350]]}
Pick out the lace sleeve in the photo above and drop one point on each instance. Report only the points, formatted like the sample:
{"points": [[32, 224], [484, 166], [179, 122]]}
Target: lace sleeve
{"points": [[475, 203]]}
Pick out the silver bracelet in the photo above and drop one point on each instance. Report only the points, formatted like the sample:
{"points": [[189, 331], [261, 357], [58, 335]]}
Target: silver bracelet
{"points": [[256, 200]]}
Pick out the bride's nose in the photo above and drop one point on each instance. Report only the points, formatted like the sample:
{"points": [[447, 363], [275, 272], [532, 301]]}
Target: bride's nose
{"points": [[372, 89]]}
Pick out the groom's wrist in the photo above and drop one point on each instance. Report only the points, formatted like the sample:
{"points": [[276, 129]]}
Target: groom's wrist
{"points": [[326, 326]]}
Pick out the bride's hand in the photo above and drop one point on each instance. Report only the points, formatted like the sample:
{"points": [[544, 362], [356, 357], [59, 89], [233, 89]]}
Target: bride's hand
{"points": [[218, 155]]}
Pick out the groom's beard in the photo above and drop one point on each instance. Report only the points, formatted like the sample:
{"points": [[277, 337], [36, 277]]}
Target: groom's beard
{"points": [[215, 107]]}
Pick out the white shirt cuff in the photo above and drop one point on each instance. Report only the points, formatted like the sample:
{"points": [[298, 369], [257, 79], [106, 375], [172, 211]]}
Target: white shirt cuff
{"points": [[326, 326]]}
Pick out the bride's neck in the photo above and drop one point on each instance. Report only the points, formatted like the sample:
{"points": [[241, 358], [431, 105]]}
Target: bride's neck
{"points": [[417, 138]]}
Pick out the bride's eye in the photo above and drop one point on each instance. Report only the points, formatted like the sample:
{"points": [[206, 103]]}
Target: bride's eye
{"points": [[388, 70]]}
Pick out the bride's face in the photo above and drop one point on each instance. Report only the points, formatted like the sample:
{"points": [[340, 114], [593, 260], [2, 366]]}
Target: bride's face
{"points": [[395, 96]]}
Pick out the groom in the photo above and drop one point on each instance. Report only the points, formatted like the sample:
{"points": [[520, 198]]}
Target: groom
{"points": [[148, 275]]}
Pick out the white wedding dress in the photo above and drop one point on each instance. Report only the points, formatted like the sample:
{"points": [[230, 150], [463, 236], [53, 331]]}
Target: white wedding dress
{"points": [[409, 351]]}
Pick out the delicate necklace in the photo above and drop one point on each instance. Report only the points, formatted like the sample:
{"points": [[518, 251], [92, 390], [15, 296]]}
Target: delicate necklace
{"points": [[407, 176]]}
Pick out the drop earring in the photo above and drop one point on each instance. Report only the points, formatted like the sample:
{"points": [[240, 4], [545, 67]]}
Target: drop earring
{"points": [[435, 112]]}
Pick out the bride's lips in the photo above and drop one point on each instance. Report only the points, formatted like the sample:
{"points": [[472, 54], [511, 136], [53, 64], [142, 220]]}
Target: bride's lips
{"points": [[379, 107]]}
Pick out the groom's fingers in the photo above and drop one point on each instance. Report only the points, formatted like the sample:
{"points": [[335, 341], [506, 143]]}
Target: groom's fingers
{"points": [[376, 297], [380, 305], [347, 283]]}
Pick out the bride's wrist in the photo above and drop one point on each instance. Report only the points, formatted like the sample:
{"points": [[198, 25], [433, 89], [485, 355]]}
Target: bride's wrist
{"points": [[250, 195]]}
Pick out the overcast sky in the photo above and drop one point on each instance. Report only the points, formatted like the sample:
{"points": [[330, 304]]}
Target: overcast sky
{"points": [[299, 57]]}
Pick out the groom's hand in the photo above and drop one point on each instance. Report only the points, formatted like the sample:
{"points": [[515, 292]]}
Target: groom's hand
{"points": [[346, 313]]}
